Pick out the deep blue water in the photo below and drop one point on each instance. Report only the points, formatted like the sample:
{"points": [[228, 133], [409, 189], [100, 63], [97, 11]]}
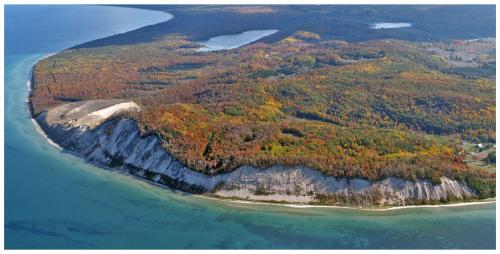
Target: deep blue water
{"points": [[55, 200]]}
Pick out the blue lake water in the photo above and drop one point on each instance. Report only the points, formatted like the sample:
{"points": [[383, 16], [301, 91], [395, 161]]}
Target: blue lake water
{"points": [[56, 200], [385, 25], [231, 41]]}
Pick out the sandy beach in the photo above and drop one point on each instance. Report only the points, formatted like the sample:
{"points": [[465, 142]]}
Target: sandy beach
{"points": [[486, 201]]}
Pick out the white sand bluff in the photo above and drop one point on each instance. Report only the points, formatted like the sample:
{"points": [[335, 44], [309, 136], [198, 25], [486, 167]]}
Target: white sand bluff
{"points": [[88, 113], [94, 130]]}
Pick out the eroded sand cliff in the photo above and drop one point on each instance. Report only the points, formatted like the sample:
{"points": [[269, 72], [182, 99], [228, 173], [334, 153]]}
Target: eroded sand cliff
{"points": [[90, 129]]}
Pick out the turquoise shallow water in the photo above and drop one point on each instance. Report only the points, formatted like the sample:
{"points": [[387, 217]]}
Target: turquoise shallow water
{"points": [[55, 200]]}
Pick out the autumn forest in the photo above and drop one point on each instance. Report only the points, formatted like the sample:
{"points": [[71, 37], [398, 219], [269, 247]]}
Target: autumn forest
{"points": [[369, 109]]}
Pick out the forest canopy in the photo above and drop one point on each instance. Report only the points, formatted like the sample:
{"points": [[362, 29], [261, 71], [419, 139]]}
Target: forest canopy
{"points": [[369, 109]]}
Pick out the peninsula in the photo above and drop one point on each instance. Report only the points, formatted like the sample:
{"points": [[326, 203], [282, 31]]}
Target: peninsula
{"points": [[290, 116]]}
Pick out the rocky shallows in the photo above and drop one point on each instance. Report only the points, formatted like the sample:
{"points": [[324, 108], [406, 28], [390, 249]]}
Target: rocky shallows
{"points": [[94, 130]]}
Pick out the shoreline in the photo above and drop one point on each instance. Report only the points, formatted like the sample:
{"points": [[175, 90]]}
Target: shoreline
{"points": [[31, 84], [360, 208], [153, 184], [39, 130]]}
